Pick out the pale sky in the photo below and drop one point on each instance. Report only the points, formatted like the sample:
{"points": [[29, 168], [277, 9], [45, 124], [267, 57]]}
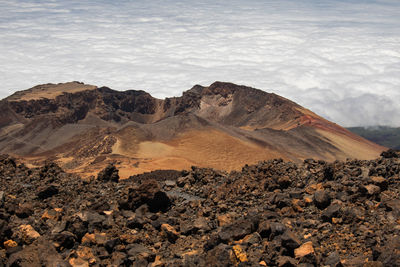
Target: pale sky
{"points": [[341, 59]]}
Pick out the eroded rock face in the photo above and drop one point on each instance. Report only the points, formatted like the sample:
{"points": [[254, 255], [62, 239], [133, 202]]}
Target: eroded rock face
{"points": [[274, 213]]}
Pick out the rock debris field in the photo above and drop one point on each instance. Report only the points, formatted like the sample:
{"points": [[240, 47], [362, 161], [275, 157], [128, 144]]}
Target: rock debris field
{"points": [[274, 213]]}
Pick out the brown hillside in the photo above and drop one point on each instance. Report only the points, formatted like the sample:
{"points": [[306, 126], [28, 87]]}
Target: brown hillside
{"points": [[222, 126]]}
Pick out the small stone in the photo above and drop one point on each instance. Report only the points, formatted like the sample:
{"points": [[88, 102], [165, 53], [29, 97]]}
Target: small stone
{"points": [[24, 210], [251, 239], [201, 224], [53, 214], [78, 262], [239, 253], [321, 199], [331, 212], [48, 191], [169, 232], [170, 183], [308, 199], [10, 244], [284, 182], [390, 153], [333, 260], [97, 238], [289, 240], [373, 264], [2, 198], [238, 229], [380, 181], [224, 219], [157, 262], [264, 229], [28, 233], [296, 205], [285, 261], [100, 238], [88, 239], [139, 251], [304, 250], [371, 189], [86, 254], [65, 239]]}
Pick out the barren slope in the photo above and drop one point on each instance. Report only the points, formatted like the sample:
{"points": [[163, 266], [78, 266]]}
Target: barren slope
{"points": [[222, 126]]}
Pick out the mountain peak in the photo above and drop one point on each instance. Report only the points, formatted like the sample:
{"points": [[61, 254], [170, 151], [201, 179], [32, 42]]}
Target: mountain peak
{"points": [[50, 91], [222, 126]]}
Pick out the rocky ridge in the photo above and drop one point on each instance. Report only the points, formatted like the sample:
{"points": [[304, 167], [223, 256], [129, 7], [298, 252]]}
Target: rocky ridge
{"points": [[274, 213], [223, 126]]}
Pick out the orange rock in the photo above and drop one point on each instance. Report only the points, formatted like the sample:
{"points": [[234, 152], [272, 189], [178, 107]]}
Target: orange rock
{"points": [[190, 253], [88, 239], [251, 239], [157, 262], [86, 254], [224, 219], [97, 238], [10, 244], [100, 238], [308, 199], [296, 204], [128, 238], [307, 236], [169, 232], [108, 212], [78, 262], [303, 250], [53, 214], [336, 220], [28, 233], [239, 253]]}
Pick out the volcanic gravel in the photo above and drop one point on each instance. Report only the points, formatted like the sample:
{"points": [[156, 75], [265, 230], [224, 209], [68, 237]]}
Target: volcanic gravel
{"points": [[275, 213]]}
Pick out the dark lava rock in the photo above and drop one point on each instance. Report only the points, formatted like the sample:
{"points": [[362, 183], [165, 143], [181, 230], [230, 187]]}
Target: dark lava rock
{"points": [[329, 173], [389, 253], [333, 260], [40, 253], [322, 199], [285, 261], [290, 240], [65, 240], [24, 211], [5, 231], [147, 193], [330, 212], [220, 256], [205, 218], [48, 191], [2, 198], [135, 223], [390, 153], [238, 229], [109, 173]]}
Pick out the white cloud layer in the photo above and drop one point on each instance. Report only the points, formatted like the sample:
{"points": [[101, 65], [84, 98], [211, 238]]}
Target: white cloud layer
{"points": [[338, 58]]}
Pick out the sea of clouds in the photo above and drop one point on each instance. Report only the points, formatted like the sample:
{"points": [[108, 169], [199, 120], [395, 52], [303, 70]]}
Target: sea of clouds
{"points": [[339, 58]]}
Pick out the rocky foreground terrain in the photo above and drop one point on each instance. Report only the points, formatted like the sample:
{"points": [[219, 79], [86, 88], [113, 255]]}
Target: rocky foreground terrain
{"points": [[275, 213]]}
